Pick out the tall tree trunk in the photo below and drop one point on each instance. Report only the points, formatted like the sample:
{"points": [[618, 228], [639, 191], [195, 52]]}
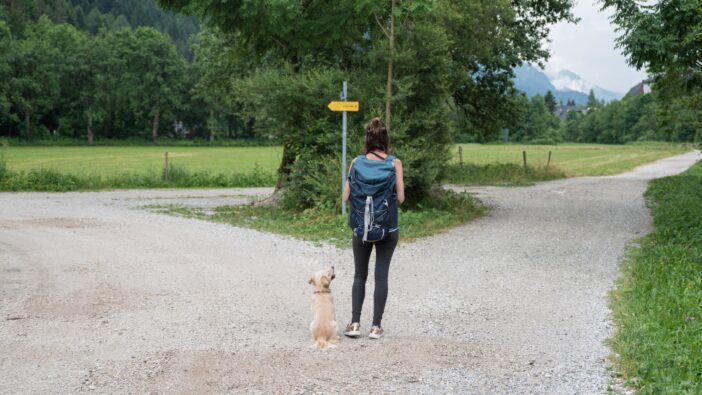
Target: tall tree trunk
{"points": [[288, 154], [91, 135], [28, 123], [212, 132], [154, 130], [391, 55], [284, 169]]}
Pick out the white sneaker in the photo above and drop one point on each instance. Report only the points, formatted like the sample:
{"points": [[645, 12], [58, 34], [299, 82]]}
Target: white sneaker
{"points": [[353, 330], [376, 332]]}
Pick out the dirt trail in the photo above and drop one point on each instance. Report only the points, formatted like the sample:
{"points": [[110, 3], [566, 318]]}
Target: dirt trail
{"points": [[99, 295]]}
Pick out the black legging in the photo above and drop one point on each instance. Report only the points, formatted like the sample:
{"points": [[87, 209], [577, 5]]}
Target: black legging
{"points": [[361, 256]]}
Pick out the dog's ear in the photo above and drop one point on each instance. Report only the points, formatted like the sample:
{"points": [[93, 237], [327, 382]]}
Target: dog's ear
{"points": [[311, 280], [325, 281]]}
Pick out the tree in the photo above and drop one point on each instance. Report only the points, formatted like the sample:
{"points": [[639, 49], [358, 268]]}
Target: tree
{"points": [[680, 118], [537, 123], [503, 36], [295, 33], [592, 101], [550, 101], [159, 74], [95, 21], [73, 77], [662, 36], [6, 46], [392, 18], [34, 80], [416, 50], [216, 64]]}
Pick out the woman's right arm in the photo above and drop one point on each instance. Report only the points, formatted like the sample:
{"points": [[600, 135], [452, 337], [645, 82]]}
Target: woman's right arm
{"points": [[347, 187], [399, 182], [347, 192]]}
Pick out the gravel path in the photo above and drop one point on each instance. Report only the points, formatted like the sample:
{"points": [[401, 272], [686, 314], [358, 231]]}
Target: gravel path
{"points": [[99, 295]]}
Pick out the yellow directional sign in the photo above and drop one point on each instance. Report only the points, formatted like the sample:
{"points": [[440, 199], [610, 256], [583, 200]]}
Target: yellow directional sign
{"points": [[351, 106]]}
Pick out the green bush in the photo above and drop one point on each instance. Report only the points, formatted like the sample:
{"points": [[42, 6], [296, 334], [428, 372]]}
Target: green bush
{"points": [[315, 181], [658, 302], [465, 138]]}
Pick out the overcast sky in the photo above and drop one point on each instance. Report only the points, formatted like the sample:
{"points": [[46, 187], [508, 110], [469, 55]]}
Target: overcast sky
{"points": [[587, 49]]}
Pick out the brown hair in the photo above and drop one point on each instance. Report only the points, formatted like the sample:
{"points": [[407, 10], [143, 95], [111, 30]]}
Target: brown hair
{"points": [[376, 136]]}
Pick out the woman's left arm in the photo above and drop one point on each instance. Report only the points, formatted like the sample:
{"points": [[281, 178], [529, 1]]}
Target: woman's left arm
{"points": [[399, 182]]}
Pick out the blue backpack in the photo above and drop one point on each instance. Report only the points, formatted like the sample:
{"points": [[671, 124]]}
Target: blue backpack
{"points": [[373, 202]]}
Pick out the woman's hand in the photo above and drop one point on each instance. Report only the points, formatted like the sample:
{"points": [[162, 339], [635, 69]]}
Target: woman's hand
{"points": [[399, 181]]}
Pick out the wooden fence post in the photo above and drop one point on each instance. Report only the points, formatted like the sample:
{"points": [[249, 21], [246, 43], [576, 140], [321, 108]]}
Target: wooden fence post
{"points": [[166, 168], [525, 161], [460, 155], [549, 159]]}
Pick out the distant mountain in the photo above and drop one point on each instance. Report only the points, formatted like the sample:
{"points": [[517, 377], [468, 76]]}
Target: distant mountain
{"points": [[565, 85], [566, 80]]}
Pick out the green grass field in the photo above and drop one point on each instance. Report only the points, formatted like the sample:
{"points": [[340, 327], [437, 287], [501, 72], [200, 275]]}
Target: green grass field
{"points": [[573, 159], [110, 161]]}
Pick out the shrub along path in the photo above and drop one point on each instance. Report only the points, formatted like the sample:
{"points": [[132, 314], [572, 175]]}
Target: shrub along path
{"points": [[100, 296]]}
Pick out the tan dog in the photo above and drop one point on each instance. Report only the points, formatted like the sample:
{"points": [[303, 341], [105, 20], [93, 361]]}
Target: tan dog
{"points": [[324, 327]]}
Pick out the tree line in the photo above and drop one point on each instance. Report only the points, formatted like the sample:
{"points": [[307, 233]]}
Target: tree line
{"points": [[644, 117], [654, 116], [115, 84]]}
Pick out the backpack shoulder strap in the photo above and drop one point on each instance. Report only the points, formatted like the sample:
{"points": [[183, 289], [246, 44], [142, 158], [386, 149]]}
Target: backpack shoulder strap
{"points": [[352, 166]]}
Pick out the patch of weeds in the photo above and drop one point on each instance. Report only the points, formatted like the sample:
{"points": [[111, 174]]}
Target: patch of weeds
{"points": [[318, 225], [657, 304], [509, 174], [312, 224], [177, 210]]}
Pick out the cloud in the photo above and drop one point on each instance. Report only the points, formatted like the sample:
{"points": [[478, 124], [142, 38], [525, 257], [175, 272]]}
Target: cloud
{"points": [[565, 82]]}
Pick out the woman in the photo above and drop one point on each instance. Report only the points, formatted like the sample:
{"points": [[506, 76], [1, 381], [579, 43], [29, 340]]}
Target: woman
{"points": [[387, 171]]}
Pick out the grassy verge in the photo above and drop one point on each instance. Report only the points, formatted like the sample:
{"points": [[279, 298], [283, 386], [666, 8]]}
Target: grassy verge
{"points": [[500, 174], [658, 302], [52, 180], [138, 142], [325, 226]]}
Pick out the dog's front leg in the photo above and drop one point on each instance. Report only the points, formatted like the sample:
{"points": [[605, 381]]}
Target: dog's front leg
{"points": [[335, 332]]}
